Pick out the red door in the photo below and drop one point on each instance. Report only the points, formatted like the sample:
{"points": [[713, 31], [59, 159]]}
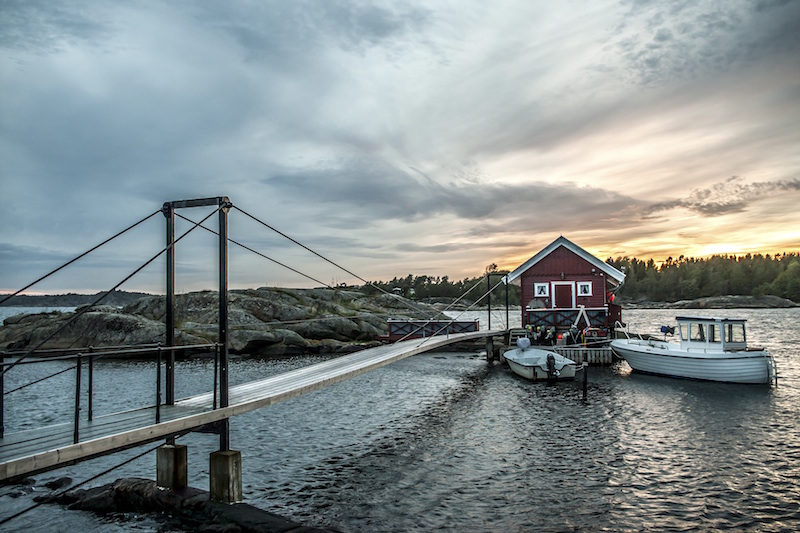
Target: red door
{"points": [[563, 296]]}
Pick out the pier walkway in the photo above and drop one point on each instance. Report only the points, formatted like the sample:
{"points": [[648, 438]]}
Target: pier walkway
{"points": [[33, 451]]}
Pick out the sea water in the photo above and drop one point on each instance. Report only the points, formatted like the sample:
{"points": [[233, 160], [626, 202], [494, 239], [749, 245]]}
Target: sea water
{"points": [[447, 441]]}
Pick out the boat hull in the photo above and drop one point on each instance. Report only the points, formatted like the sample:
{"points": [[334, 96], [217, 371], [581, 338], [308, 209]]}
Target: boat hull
{"points": [[662, 359], [532, 364]]}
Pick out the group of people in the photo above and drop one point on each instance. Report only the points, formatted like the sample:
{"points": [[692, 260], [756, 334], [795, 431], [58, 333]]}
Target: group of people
{"points": [[543, 335]]}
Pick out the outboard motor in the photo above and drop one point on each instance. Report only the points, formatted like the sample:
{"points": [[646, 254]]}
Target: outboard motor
{"points": [[552, 372]]}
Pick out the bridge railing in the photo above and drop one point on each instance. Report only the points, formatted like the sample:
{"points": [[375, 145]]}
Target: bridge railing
{"points": [[86, 357]]}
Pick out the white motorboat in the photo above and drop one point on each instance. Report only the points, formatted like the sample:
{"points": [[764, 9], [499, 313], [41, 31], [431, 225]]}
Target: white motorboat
{"points": [[710, 349], [539, 365]]}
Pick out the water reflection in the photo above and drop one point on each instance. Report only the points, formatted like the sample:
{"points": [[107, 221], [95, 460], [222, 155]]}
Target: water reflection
{"points": [[445, 441]]}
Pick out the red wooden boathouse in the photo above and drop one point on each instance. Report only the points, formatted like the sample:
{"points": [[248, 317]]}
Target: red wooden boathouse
{"points": [[562, 280]]}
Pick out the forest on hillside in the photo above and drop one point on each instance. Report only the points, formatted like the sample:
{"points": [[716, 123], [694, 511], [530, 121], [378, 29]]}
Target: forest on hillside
{"points": [[684, 278], [688, 278]]}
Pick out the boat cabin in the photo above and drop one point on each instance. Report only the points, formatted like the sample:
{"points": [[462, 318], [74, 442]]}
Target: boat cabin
{"points": [[564, 285], [725, 334]]}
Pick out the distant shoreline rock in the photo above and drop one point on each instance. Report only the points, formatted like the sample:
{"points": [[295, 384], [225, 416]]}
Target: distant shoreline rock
{"points": [[717, 302]]}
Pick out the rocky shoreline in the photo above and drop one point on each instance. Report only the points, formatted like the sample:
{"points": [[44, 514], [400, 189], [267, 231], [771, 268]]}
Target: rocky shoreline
{"points": [[189, 509], [715, 302], [269, 322], [264, 322]]}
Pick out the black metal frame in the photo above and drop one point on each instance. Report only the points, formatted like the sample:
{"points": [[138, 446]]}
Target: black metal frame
{"points": [[168, 209]]}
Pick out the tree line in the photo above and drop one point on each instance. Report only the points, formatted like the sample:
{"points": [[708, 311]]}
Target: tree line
{"points": [[432, 287], [687, 278], [684, 278]]}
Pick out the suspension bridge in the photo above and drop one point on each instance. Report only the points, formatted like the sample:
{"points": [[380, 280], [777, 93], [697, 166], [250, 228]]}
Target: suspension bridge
{"points": [[33, 451]]}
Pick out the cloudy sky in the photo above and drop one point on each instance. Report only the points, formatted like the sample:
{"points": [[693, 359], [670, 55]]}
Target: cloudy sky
{"points": [[424, 137]]}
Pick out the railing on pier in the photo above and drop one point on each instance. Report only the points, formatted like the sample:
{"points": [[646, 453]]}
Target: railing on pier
{"points": [[416, 329], [563, 318], [86, 358]]}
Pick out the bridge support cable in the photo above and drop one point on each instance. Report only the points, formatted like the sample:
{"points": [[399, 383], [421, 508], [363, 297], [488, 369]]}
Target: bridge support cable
{"points": [[489, 296], [295, 241], [340, 267], [249, 249], [457, 316], [84, 254], [85, 309]]}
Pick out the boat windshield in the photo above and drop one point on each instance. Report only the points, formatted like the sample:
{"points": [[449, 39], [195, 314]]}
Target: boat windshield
{"points": [[698, 332]]}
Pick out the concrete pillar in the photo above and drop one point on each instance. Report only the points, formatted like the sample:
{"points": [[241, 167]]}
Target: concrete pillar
{"points": [[171, 466], [226, 476]]}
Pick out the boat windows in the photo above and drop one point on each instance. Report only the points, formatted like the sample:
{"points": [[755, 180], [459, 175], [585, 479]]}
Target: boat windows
{"points": [[684, 331], [735, 332], [698, 332], [713, 335]]}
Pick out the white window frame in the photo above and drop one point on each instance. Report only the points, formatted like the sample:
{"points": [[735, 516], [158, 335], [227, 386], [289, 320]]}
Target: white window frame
{"points": [[581, 285], [539, 286]]}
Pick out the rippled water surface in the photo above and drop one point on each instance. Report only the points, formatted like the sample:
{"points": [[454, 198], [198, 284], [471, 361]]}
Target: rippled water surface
{"points": [[446, 441]]}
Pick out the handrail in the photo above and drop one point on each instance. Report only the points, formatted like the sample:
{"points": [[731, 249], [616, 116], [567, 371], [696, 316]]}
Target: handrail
{"points": [[96, 354], [91, 354]]}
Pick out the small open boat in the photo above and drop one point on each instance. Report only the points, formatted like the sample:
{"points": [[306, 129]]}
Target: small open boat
{"points": [[710, 349], [539, 365]]}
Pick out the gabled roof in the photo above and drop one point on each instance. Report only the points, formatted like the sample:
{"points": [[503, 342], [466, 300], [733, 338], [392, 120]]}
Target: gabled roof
{"points": [[609, 270]]}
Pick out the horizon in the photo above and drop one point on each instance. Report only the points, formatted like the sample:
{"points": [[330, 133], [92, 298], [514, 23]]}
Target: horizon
{"points": [[659, 264]]}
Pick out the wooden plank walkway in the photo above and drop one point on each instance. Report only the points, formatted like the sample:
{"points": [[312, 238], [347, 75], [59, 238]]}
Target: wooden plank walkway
{"points": [[38, 450]]}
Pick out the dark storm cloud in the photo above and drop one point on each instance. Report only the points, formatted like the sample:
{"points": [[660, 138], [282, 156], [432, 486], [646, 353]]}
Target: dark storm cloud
{"points": [[730, 196], [373, 189]]}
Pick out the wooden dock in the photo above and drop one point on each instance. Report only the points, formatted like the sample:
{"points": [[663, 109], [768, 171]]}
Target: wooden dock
{"points": [[33, 451]]}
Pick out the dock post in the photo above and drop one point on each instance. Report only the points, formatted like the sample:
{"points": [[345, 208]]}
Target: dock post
{"points": [[226, 476], [172, 466], [489, 348], [585, 379], [225, 472]]}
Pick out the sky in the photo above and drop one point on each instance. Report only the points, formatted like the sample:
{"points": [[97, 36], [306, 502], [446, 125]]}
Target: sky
{"points": [[393, 138]]}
